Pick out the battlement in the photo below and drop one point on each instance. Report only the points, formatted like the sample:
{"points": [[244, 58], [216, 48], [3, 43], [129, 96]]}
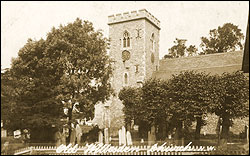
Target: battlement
{"points": [[133, 15]]}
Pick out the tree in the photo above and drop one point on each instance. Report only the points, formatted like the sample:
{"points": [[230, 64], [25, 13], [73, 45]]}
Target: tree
{"points": [[35, 107], [8, 104], [225, 38], [131, 99], [146, 106], [167, 56], [179, 49], [231, 98], [190, 98], [192, 50], [69, 68], [155, 103], [86, 66]]}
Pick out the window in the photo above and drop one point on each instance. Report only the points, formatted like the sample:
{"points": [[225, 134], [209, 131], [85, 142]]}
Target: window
{"points": [[126, 78], [152, 40], [137, 68], [126, 40]]}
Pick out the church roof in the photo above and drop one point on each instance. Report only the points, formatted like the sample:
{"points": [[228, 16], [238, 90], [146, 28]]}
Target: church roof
{"points": [[211, 63]]}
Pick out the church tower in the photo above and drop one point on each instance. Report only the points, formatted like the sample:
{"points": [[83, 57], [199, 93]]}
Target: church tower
{"points": [[134, 49]]}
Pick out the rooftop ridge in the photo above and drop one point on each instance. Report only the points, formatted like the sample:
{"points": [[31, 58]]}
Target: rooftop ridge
{"points": [[199, 68], [207, 55], [125, 16]]}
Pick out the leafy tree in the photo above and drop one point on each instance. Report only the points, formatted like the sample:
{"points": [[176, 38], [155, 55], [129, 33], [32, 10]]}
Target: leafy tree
{"points": [[86, 66], [190, 98], [167, 56], [35, 105], [179, 49], [192, 50], [8, 102], [231, 98], [131, 99], [69, 68], [155, 102], [225, 38]]}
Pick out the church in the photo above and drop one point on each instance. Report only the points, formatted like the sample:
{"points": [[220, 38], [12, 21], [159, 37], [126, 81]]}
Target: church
{"points": [[134, 50]]}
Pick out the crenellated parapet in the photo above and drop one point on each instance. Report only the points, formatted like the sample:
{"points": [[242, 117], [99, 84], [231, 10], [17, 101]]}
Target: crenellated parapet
{"points": [[133, 15]]}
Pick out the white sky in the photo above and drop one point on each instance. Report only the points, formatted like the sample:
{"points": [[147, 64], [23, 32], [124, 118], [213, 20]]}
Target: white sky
{"points": [[185, 20]]}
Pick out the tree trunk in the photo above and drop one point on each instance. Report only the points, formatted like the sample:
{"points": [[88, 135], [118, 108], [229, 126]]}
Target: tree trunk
{"points": [[224, 132], [151, 135], [69, 123], [164, 129], [178, 134], [198, 128], [128, 126]]}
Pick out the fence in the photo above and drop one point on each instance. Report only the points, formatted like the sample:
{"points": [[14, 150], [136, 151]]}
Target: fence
{"points": [[143, 150]]}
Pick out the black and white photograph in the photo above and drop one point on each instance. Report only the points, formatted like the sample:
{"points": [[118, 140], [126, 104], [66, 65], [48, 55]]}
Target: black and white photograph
{"points": [[124, 77]]}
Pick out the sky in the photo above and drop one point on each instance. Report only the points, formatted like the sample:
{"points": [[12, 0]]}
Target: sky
{"points": [[188, 20]]}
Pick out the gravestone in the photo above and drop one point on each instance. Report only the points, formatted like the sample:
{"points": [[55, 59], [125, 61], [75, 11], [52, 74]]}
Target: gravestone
{"points": [[100, 137]]}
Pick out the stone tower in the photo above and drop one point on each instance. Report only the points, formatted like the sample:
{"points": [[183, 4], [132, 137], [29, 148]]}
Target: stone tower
{"points": [[134, 49]]}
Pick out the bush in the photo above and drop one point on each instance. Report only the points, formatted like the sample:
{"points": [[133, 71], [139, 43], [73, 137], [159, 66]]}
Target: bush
{"points": [[14, 144]]}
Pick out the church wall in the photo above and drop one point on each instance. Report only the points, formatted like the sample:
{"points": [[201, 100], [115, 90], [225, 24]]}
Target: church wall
{"points": [[151, 67], [136, 50]]}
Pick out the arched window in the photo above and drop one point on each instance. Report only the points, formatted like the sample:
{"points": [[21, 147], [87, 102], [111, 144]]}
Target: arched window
{"points": [[126, 40], [125, 78], [152, 40]]}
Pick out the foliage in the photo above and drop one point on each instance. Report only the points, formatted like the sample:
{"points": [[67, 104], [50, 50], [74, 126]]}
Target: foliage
{"points": [[231, 100], [131, 99], [231, 95], [86, 66], [190, 99], [146, 105], [34, 86], [192, 50], [167, 56], [178, 50], [189, 92], [71, 65], [225, 38], [155, 100], [8, 103]]}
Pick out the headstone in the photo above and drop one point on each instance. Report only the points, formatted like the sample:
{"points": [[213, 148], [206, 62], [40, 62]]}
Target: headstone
{"points": [[106, 136], [73, 136], [78, 134], [123, 136], [3, 133], [247, 132], [142, 141], [151, 136], [129, 138], [17, 134], [100, 137], [58, 138], [120, 137]]}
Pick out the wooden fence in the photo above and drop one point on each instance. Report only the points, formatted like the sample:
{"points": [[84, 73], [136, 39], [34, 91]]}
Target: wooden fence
{"points": [[51, 150]]}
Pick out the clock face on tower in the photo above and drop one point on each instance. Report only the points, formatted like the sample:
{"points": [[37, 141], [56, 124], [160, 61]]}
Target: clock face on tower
{"points": [[125, 55]]}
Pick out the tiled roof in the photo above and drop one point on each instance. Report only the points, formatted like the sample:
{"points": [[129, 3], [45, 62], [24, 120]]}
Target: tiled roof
{"points": [[210, 63]]}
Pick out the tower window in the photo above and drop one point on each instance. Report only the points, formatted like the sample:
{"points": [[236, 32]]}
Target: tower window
{"points": [[125, 78], [137, 68], [152, 42], [126, 40]]}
